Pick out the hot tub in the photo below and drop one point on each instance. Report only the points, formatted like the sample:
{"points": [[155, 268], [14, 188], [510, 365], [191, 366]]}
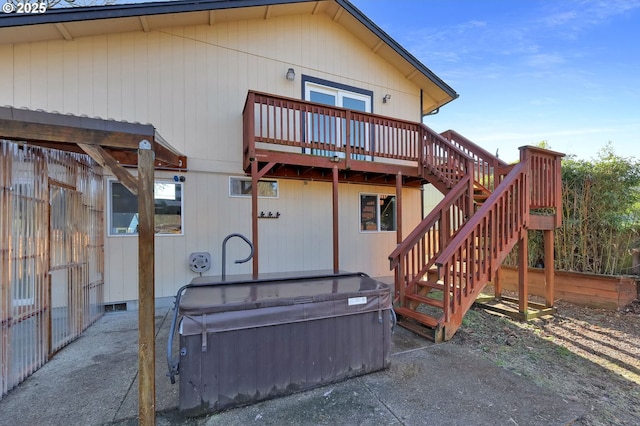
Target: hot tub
{"points": [[243, 342]]}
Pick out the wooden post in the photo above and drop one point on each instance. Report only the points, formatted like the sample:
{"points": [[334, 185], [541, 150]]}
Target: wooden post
{"points": [[399, 207], [497, 284], [254, 215], [146, 290], [346, 143], [256, 175], [635, 261], [549, 268], [523, 271], [336, 223]]}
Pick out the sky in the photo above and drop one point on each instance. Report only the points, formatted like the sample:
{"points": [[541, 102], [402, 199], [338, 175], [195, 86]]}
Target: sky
{"points": [[526, 71]]}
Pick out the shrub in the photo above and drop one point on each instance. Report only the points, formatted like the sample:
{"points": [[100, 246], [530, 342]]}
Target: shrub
{"points": [[600, 216]]}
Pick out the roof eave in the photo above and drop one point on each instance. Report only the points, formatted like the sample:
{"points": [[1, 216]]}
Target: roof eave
{"points": [[379, 32], [64, 15], [87, 13]]}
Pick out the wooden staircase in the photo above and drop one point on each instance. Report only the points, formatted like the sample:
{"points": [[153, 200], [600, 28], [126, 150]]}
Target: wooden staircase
{"points": [[446, 261]]}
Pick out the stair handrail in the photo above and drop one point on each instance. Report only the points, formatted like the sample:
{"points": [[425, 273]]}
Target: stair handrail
{"points": [[508, 206], [488, 167], [443, 159], [430, 236]]}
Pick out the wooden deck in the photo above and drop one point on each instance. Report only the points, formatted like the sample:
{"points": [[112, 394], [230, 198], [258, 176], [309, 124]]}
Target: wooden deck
{"points": [[303, 140], [486, 211]]}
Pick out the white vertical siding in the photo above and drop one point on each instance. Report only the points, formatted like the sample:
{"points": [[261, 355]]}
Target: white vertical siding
{"points": [[7, 68], [191, 84], [431, 198]]}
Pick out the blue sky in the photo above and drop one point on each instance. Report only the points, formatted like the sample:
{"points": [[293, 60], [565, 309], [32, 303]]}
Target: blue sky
{"points": [[565, 72]]}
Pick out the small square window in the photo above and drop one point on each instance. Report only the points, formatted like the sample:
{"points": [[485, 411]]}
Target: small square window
{"points": [[123, 211], [241, 187], [377, 213]]}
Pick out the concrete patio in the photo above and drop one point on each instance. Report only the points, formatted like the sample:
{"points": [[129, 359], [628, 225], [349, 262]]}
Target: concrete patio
{"points": [[93, 381]]}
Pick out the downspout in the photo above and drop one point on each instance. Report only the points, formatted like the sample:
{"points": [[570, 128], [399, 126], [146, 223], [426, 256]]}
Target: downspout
{"points": [[434, 112]]}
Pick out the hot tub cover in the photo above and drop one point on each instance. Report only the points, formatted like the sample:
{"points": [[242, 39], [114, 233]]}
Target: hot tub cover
{"points": [[213, 307]]}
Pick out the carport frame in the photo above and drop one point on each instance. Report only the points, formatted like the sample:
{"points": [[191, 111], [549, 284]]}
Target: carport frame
{"points": [[113, 144]]}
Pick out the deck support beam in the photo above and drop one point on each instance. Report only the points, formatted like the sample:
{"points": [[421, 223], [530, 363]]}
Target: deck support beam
{"points": [[254, 216], [146, 286], [549, 268], [399, 208], [256, 175], [523, 272], [102, 157], [336, 222], [497, 284]]}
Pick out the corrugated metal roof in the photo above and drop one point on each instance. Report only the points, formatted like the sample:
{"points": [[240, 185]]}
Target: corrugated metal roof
{"points": [[51, 128]]}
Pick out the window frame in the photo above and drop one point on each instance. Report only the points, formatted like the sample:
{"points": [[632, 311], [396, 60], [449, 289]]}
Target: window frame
{"points": [[378, 213], [339, 91], [248, 195], [109, 210]]}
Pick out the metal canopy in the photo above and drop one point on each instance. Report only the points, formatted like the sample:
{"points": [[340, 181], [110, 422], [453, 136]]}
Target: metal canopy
{"points": [[66, 132]]}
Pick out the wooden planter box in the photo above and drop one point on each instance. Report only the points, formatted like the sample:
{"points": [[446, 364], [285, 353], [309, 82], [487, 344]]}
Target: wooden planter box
{"points": [[595, 291]]}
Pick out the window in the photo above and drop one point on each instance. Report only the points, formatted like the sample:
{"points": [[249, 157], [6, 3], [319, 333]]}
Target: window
{"points": [[325, 129], [241, 187], [377, 212], [123, 211]]}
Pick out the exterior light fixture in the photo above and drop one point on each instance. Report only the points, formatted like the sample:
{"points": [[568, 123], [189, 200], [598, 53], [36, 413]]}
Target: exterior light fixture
{"points": [[386, 98], [291, 74], [335, 159]]}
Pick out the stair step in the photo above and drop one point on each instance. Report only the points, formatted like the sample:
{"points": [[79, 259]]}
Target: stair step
{"points": [[426, 300], [419, 329], [421, 318], [431, 284]]}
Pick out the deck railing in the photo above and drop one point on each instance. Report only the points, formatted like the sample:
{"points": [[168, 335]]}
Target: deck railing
{"points": [[413, 258], [546, 179], [488, 168], [308, 128], [467, 263], [324, 130]]}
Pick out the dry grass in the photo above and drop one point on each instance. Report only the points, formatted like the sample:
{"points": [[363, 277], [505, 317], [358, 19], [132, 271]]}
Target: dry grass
{"points": [[590, 356]]}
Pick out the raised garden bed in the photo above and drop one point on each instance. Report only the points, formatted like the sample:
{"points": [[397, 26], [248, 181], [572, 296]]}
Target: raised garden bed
{"points": [[594, 291]]}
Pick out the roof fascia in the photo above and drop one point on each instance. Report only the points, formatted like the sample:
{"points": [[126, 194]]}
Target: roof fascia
{"points": [[71, 14], [158, 8], [356, 13]]}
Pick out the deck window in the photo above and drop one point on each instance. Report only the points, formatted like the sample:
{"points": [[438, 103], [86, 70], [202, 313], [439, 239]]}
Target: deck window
{"points": [[123, 209], [377, 212], [241, 187], [326, 130]]}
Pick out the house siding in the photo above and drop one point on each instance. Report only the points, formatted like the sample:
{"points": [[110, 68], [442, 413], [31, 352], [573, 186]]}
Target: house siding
{"points": [[191, 83]]}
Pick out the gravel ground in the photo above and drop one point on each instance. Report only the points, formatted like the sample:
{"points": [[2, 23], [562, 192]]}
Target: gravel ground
{"points": [[591, 356]]}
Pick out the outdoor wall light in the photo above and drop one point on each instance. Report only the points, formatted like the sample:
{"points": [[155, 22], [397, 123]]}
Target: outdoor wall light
{"points": [[291, 74], [335, 159], [386, 98]]}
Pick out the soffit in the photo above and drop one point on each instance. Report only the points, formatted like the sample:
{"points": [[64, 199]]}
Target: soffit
{"points": [[435, 92]]}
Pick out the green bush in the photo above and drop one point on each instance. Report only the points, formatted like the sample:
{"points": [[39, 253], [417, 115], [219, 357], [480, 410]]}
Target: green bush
{"points": [[600, 216]]}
